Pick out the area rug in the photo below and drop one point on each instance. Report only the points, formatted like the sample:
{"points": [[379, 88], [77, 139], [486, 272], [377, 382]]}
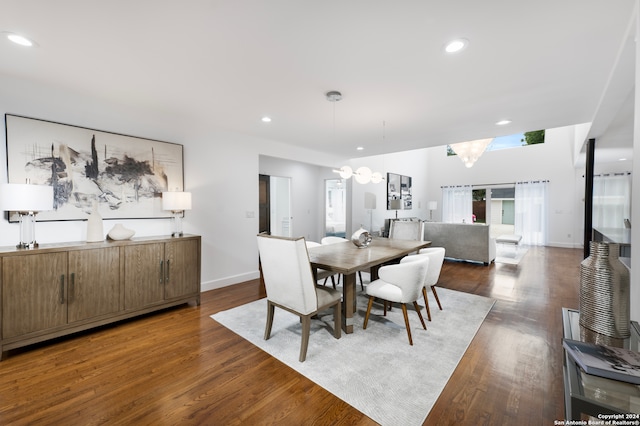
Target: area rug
{"points": [[510, 253], [374, 370]]}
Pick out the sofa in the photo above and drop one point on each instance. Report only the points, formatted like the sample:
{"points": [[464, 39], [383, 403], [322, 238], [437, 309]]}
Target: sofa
{"points": [[463, 241]]}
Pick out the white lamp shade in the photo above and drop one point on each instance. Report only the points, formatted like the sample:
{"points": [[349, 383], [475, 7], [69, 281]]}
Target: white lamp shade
{"points": [[363, 175], [345, 172], [433, 205], [376, 177], [176, 201], [23, 197], [369, 200]]}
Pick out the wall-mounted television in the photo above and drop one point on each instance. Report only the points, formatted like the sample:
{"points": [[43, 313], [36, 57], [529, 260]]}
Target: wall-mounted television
{"points": [[398, 192]]}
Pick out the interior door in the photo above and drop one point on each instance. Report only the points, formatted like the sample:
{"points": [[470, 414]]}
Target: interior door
{"points": [[264, 205], [280, 206]]}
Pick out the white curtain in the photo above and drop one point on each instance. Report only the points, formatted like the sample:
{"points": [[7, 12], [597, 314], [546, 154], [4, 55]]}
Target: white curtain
{"points": [[531, 212], [457, 204], [611, 200]]}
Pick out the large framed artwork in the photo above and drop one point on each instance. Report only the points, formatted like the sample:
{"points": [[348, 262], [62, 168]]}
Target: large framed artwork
{"points": [[125, 175], [398, 192]]}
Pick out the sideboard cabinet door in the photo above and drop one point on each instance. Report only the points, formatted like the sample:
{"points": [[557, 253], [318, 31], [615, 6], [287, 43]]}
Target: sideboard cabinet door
{"points": [[34, 291], [94, 283], [182, 276], [144, 275]]}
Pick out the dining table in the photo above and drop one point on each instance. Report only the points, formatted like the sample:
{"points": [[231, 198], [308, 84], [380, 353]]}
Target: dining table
{"points": [[347, 259]]}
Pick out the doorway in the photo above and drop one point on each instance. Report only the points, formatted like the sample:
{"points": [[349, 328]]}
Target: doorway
{"points": [[275, 205], [335, 216], [495, 205]]}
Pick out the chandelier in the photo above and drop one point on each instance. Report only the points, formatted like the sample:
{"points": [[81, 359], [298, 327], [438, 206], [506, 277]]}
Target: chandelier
{"points": [[363, 174], [470, 151]]}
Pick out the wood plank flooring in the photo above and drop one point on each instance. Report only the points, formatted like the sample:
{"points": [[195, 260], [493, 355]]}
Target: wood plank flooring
{"points": [[179, 367]]}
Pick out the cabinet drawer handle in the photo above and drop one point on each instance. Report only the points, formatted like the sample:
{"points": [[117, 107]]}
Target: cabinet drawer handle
{"points": [[62, 289], [161, 271], [166, 279], [72, 288]]}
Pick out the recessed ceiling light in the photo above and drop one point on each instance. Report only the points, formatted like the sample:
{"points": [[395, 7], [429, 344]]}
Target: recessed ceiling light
{"points": [[266, 119], [360, 148], [503, 122], [622, 159], [18, 39], [457, 45]]}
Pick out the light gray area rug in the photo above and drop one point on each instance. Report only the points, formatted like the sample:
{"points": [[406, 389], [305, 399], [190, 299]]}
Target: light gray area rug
{"points": [[374, 370], [510, 254]]}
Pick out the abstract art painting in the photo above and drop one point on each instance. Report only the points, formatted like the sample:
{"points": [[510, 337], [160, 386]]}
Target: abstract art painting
{"points": [[125, 175]]}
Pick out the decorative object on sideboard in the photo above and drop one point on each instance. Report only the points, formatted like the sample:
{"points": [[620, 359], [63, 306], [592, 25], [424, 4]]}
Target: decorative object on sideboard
{"points": [[95, 228], [604, 296], [433, 205], [361, 238], [119, 232], [27, 200], [470, 151], [177, 202]]}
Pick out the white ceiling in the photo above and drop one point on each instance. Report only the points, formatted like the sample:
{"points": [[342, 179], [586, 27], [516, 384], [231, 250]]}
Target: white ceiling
{"points": [[542, 64]]}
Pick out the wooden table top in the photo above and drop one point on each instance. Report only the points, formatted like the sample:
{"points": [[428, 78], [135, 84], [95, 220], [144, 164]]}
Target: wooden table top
{"points": [[346, 258]]}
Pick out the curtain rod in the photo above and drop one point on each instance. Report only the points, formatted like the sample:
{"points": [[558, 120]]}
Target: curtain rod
{"points": [[612, 174], [492, 184]]}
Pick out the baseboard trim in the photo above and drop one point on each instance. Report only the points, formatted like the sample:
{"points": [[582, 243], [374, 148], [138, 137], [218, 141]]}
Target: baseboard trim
{"points": [[227, 281]]}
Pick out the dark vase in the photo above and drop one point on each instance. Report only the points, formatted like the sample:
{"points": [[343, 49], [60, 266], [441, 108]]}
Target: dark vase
{"points": [[604, 296]]}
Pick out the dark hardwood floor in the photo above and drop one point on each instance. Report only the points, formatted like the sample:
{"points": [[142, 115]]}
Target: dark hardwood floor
{"points": [[181, 367]]}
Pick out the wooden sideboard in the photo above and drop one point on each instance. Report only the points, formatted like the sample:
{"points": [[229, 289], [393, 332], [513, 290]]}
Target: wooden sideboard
{"points": [[58, 289]]}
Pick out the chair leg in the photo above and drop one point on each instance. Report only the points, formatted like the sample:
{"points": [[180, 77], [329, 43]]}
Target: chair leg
{"points": [[267, 329], [433, 289], [426, 302], [325, 281], [361, 283], [306, 330], [406, 323], [333, 281], [417, 307], [366, 317], [337, 319]]}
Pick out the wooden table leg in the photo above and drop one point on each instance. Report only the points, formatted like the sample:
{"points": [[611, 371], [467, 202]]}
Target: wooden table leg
{"points": [[348, 302]]}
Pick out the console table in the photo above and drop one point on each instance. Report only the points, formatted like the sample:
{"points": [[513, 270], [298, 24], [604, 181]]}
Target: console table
{"points": [[58, 289], [593, 395]]}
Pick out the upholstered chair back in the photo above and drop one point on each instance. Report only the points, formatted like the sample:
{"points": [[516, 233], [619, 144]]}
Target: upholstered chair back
{"points": [[407, 230], [287, 273], [436, 259], [408, 276]]}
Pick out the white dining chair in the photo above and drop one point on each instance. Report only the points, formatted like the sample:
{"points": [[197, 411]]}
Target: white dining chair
{"points": [[290, 285], [399, 283], [436, 259]]}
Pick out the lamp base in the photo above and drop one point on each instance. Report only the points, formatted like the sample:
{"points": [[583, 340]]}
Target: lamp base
{"points": [[26, 246], [176, 224]]}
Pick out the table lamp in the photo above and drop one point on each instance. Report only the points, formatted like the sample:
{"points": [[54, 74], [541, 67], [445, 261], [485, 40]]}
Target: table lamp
{"points": [[177, 202], [27, 200], [433, 205]]}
